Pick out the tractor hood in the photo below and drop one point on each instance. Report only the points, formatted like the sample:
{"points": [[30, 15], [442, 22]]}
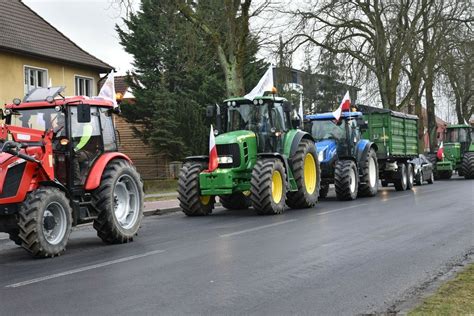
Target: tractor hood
{"points": [[326, 149], [234, 137]]}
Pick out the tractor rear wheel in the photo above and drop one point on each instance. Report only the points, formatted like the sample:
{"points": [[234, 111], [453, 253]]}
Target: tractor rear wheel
{"points": [[268, 187], [189, 192], [346, 180], [410, 177], [370, 176], [235, 201], [401, 180], [467, 166], [323, 191], [307, 176], [119, 199], [45, 222]]}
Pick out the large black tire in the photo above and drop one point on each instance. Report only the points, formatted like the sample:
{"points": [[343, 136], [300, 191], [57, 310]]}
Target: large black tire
{"points": [[401, 180], [119, 201], [14, 236], [307, 176], [189, 191], [419, 178], [323, 191], [45, 222], [410, 177], [433, 159], [346, 180], [268, 189], [431, 179], [369, 181], [445, 174], [235, 201], [467, 165]]}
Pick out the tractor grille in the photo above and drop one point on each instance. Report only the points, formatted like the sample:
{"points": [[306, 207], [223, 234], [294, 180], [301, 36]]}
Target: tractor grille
{"points": [[232, 150], [12, 181]]}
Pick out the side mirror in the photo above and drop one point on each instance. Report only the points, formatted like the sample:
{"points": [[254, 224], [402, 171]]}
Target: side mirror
{"points": [[287, 106], [83, 113], [210, 111]]}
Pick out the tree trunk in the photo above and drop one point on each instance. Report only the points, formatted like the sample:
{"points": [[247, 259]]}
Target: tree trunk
{"points": [[430, 109]]}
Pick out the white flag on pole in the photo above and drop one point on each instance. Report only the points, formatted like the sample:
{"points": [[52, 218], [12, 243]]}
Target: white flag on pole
{"points": [[265, 84], [300, 110], [108, 89]]}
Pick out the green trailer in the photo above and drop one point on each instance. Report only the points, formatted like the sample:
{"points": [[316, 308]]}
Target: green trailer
{"points": [[396, 137]]}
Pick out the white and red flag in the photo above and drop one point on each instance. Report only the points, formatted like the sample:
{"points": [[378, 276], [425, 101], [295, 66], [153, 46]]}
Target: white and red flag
{"points": [[440, 152], [108, 89], [345, 106], [213, 163]]}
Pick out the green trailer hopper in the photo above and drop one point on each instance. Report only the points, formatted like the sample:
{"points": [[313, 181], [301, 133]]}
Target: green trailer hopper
{"points": [[396, 137]]}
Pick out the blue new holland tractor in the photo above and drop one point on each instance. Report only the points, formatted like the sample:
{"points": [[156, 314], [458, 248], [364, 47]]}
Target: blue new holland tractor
{"points": [[347, 160]]}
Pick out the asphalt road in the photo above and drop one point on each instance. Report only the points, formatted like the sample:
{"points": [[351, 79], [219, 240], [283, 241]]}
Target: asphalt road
{"points": [[338, 258]]}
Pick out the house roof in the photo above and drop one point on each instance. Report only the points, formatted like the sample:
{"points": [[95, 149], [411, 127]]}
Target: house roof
{"points": [[25, 32]]}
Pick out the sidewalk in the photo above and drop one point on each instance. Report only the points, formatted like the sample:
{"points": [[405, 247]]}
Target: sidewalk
{"points": [[151, 208]]}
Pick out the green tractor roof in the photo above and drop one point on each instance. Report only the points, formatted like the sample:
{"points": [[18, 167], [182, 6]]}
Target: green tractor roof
{"points": [[458, 126]]}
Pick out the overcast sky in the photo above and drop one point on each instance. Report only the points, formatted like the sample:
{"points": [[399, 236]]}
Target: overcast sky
{"points": [[90, 24]]}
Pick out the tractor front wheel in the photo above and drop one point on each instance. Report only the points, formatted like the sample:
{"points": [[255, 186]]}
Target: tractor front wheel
{"points": [[467, 166], [307, 176], [370, 175], [189, 192], [268, 189], [119, 199], [346, 180], [45, 222], [236, 201]]}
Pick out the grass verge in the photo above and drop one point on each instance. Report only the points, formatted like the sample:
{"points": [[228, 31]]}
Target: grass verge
{"points": [[455, 297]]}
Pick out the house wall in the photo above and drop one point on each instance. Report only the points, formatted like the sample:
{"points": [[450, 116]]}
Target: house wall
{"points": [[12, 75]]}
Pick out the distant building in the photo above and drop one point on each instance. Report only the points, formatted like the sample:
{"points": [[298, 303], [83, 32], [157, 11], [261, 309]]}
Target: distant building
{"points": [[33, 53]]}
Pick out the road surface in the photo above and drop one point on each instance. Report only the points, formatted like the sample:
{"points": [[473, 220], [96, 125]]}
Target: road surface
{"points": [[337, 258]]}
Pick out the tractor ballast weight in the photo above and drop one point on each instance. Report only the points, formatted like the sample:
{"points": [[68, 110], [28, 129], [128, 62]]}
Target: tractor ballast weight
{"points": [[347, 160], [458, 152], [59, 167], [263, 161]]}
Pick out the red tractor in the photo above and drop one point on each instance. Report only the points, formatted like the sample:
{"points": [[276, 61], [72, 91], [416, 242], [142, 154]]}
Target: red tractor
{"points": [[59, 167]]}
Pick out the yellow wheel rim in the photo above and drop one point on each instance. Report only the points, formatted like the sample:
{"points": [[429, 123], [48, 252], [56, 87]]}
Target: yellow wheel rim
{"points": [[277, 186], [309, 173], [205, 199]]}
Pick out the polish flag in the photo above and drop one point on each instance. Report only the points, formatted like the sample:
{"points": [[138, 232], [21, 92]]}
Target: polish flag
{"points": [[213, 163], [440, 152], [345, 106]]}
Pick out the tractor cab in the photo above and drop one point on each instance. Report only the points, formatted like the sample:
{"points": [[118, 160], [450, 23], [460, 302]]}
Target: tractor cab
{"points": [[459, 136]]}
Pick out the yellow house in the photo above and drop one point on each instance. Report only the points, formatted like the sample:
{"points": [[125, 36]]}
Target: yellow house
{"points": [[33, 54]]}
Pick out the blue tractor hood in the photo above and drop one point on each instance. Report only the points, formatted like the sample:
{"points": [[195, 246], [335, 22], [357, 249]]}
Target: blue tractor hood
{"points": [[326, 149]]}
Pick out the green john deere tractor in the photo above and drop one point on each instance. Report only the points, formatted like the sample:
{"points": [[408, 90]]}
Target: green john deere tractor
{"points": [[264, 162], [458, 153]]}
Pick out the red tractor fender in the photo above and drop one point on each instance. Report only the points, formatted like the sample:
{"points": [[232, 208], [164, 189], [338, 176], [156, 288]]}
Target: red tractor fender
{"points": [[95, 174]]}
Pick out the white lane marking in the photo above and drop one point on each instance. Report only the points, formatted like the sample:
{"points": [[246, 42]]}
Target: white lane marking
{"points": [[74, 271], [341, 209], [257, 228]]}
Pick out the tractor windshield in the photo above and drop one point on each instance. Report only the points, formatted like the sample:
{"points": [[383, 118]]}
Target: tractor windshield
{"points": [[457, 135], [258, 118], [41, 119], [325, 129]]}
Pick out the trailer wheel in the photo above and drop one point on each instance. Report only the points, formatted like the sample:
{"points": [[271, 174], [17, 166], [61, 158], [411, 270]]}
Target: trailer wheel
{"points": [[268, 187], [45, 222], [189, 193], [323, 191], [346, 180], [370, 175], [467, 166], [401, 180], [410, 177], [119, 198], [235, 201], [307, 176]]}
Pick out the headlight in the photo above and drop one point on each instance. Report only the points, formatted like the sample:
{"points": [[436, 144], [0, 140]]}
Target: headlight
{"points": [[225, 159], [321, 155]]}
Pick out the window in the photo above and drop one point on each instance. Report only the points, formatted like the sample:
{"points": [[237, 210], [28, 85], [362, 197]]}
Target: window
{"points": [[83, 86], [35, 78], [108, 130]]}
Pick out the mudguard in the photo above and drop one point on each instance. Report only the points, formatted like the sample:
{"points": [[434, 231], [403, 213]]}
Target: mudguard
{"points": [[95, 174], [299, 135], [362, 149]]}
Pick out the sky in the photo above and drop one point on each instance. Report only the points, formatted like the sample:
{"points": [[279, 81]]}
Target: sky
{"points": [[90, 24]]}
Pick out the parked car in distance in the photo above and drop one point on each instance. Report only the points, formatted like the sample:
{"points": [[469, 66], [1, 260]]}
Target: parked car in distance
{"points": [[423, 170]]}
